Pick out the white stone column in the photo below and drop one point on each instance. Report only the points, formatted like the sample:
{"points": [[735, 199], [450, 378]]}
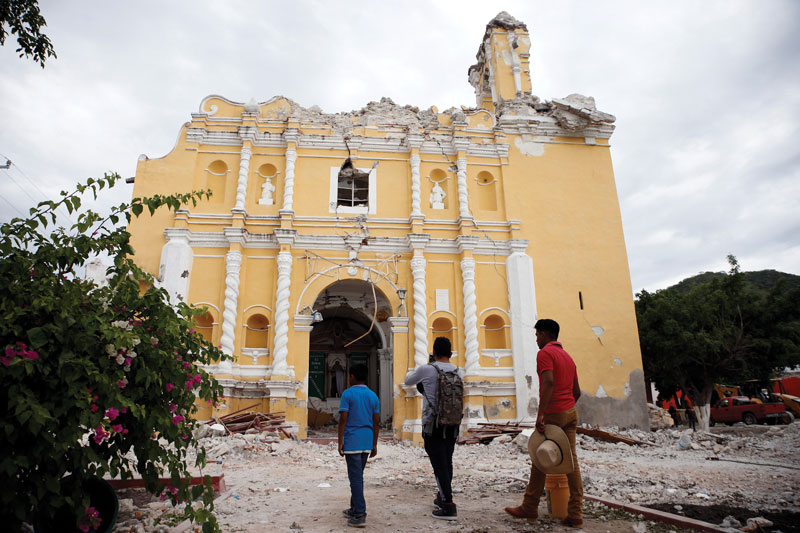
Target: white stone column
{"points": [[463, 195], [416, 201], [420, 311], [175, 267], [471, 355], [233, 263], [288, 181], [279, 365], [516, 69], [244, 170], [386, 383], [522, 308]]}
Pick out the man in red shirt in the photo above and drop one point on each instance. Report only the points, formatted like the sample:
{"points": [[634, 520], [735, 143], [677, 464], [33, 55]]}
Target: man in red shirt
{"points": [[558, 392]]}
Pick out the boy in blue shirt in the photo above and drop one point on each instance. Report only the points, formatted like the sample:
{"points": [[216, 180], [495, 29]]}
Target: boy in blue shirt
{"points": [[359, 419]]}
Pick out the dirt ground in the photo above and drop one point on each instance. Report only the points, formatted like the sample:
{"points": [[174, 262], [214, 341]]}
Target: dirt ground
{"points": [[731, 475]]}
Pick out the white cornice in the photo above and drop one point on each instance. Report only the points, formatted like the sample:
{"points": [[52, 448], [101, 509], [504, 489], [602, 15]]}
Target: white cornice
{"points": [[197, 239]]}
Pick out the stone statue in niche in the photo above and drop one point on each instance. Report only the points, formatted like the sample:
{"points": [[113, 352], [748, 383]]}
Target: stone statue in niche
{"points": [[266, 192], [437, 197]]}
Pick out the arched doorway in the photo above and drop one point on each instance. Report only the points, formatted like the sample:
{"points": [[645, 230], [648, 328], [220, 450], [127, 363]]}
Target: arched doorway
{"points": [[345, 334]]}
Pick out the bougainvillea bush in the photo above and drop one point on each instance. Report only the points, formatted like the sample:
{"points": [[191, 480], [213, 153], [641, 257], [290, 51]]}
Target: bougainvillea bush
{"points": [[94, 381]]}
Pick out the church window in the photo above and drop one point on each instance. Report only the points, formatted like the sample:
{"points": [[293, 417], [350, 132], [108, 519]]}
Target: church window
{"points": [[353, 190]]}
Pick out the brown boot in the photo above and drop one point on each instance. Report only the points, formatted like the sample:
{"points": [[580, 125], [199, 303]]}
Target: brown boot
{"points": [[577, 523], [519, 512]]}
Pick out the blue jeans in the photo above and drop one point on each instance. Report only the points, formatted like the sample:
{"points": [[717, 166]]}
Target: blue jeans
{"points": [[356, 462]]}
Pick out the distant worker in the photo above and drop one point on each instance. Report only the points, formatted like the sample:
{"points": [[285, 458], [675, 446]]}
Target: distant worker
{"points": [[359, 423], [442, 406], [691, 419], [558, 392]]}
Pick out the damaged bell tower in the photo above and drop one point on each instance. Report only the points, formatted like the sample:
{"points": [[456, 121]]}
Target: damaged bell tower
{"points": [[334, 239]]}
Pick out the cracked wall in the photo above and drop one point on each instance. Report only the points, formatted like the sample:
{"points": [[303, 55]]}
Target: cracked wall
{"points": [[627, 412]]}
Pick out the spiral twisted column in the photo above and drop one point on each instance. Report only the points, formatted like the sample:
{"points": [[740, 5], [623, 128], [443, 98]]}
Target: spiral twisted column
{"points": [[470, 317], [279, 365], [416, 201], [463, 197], [288, 181], [233, 263], [420, 311], [244, 170]]}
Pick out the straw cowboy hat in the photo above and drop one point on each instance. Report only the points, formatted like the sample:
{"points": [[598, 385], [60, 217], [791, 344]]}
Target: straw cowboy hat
{"points": [[551, 452]]}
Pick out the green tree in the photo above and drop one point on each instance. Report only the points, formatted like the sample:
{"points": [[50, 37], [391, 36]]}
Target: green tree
{"points": [[716, 330], [23, 19], [96, 380]]}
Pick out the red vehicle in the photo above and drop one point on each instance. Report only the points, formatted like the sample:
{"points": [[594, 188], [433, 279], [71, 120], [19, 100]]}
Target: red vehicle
{"points": [[740, 409]]}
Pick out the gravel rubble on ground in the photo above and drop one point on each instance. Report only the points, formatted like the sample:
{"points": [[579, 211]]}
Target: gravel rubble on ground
{"points": [[270, 479]]}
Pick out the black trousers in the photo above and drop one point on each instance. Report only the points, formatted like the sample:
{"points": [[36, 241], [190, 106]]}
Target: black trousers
{"points": [[439, 445]]}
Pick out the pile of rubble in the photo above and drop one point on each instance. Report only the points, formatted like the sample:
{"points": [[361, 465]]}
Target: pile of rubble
{"points": [[746, 467]]}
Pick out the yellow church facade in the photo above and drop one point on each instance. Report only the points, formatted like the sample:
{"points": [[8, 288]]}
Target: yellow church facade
{"points": [[336, 239]]}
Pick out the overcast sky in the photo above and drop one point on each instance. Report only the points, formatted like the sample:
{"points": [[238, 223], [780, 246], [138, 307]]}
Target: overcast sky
{"points": [[706, 94]]}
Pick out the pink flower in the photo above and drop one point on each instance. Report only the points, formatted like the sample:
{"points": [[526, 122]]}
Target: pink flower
{"points": [[197, 379], [189, 384], [169, 387], [186, 365], [111, 413], [177, 419], [123, 383], [100, 434], [123, 409], [117, 428], [95, 408], [125, 431], [173, 407], [191, 330], [127, 361], [185, 437]]}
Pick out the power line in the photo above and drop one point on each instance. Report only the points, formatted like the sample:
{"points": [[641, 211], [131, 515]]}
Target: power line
{"points": [[15, 208], [6, 167]]}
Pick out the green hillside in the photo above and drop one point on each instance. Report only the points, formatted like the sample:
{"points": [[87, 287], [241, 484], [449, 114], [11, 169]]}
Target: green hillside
{"points": [[760, 280]]}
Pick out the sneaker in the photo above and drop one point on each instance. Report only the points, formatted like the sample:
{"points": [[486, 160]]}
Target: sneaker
{"points": [[437, 502], [448, 511], [348, 513], [357, 521]]}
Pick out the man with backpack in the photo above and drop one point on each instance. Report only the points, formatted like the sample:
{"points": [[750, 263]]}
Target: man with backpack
{"points": [[442, 409]]}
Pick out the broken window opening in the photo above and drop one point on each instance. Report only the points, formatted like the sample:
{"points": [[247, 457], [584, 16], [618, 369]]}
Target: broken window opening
{"points": [[353, 186]]}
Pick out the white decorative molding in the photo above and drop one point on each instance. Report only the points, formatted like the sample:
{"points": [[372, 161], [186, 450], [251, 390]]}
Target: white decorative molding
{"points": [[233, 263], [303, 322], [420, 311], [442, 300], [498, 372], [463, 195], [255, 353], [496, 354], [288, 180], [279, 365], [470, 317], [398, 324], [241, 186], [416, 201]]}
